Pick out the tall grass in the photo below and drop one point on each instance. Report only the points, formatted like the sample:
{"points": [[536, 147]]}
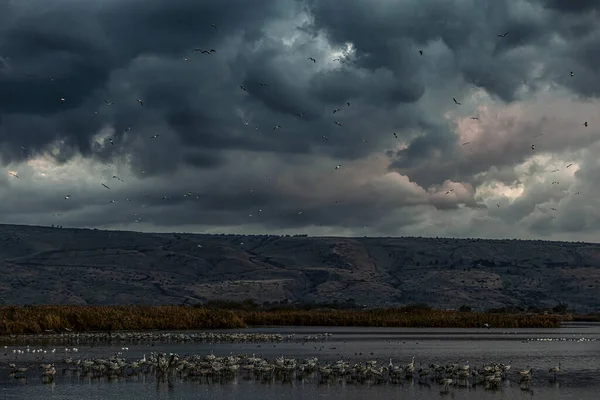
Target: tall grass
{"points": [[39, 319], [391, 317]]}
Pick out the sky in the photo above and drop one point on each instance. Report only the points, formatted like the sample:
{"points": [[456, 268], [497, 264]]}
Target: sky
{"points": [[244, 139]]}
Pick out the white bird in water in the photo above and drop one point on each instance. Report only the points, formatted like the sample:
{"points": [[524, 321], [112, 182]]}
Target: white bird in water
{"points": [[554, 370]]}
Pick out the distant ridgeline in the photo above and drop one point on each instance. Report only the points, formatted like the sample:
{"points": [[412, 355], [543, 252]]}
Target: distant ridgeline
{"points": [[42, 265]]}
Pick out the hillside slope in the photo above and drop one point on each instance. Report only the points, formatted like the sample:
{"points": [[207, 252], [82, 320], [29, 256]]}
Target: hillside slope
{"points": [[84, 266]]}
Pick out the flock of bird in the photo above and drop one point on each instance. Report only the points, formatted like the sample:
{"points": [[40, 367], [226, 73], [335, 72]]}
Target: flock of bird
{"points": [[213, 369], [111, 140]]}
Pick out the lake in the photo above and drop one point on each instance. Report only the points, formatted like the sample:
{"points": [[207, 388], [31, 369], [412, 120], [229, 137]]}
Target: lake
{"points": [[575, 346]]}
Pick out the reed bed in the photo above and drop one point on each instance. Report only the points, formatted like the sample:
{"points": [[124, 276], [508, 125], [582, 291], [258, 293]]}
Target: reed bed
{"points": [[391, 317], [39, 319]]}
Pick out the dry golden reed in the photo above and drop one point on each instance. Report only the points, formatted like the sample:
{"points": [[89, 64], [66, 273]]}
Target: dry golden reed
{"points": [[39, 319]]}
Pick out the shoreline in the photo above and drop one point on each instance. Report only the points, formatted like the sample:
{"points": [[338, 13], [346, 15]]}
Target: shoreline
{"points": [[40, 319]]}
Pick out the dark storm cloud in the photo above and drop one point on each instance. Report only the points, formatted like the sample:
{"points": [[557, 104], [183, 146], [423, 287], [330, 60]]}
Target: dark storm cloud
{"points": [[242, 171]]}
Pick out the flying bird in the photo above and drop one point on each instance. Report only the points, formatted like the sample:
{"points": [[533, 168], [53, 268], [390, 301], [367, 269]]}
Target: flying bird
{"points": [[466, 143], [455, 101], [312, 59], [395, 135], [108, 103], [67, 197], [105, 186], [421, 52], [196, 50], [572, 74], [141, 102], [348, 103], [498, 205], [117, 178], [154, 136], [450, 191], [338, 166], [532, 147], [555, 183], [336, 110], [13, 174], [243, 88], [503, 35], [262, 84], [338, 123], [553, 209], [276, 127], [214, 26], [301, 114], [474, 118], [62, 99], [569, 165], [585, 124], [324, 137]]}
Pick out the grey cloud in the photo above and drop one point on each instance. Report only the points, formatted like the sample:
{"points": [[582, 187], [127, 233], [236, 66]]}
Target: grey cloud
{"points": [[518, 86]]}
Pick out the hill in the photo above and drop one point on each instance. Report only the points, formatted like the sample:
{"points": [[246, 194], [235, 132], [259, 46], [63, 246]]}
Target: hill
{"points": [[44, 265]]}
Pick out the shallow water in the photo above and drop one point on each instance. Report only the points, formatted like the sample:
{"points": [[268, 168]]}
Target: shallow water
{"points": [[575, 346]]}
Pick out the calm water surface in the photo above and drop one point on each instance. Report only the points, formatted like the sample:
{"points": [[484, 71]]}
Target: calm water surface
{"points": [[575, 346]]}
